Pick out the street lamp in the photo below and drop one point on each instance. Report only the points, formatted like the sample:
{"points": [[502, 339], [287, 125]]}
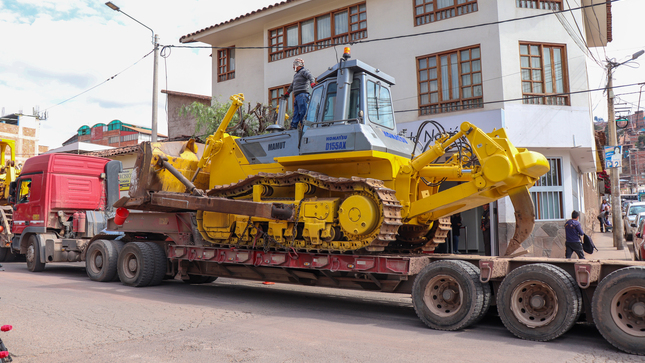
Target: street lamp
{"points": [[613, 141], [155, 84]]}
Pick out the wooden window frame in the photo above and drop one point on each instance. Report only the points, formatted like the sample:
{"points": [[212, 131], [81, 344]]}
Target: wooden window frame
{"points": [[459, 104], [544, 98], [539, 4], [224, 73], [278, 42], [422, 17], [284, 88]]}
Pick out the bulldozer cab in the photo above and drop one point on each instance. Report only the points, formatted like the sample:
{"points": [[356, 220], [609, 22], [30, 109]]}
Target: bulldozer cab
{"points": [[350, 110]]}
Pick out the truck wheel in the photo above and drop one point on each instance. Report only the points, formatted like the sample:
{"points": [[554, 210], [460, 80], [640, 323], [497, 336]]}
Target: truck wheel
{"points": [[618, 309], [33, 255], [447, 295], [101, 261], [118, 246], [161, 263], [539, 302], [199, 279], [136, 264]]}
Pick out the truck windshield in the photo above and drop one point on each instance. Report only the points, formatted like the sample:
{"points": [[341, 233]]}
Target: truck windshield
{"points": [[379, 105]]}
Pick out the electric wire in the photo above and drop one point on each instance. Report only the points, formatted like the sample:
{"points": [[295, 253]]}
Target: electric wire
{"points": [[531, 97], [109, 79]]}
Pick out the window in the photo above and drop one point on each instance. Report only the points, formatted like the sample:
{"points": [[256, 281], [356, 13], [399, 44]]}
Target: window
{"points": [[547, 192], [114, 139], [450, 81], [24, 191], [429, 11], [340, 26], [225, 64], [544, 74], [274, 96], [314, 105], [330, 101], [379, 105], [540, 4]]}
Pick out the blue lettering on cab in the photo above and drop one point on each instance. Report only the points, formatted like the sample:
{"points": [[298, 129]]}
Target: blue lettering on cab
{"points": [[341, 145]]}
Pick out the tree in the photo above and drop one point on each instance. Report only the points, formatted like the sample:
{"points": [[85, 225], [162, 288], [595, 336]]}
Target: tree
{"points": [[249, 122]]}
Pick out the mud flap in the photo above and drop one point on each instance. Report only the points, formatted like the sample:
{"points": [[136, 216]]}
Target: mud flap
{"points": [[524, 220]]}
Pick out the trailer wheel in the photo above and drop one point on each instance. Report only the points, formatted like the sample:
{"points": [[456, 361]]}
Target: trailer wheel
{"points": [[618, 309], [33, 255], [447, 295], [136, 264], [539, 302], [101, 261], [200, 279], [161, 263], [118, 246]]}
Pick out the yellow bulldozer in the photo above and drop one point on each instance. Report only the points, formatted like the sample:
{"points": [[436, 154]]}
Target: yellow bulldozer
{"points": [[345, 182]]}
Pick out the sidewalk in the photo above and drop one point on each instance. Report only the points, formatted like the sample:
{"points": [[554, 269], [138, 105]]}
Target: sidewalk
{"points": [[606, 250]]}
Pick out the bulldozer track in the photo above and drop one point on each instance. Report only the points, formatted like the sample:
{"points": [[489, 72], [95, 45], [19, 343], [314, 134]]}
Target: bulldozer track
{"points": [[390, 208]]}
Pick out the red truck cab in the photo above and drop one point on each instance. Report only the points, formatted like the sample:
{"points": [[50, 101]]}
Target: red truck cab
{"points": [[60, 202]]}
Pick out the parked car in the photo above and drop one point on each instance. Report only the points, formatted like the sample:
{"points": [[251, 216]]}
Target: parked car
{"points": [[630, 221], [639, 243]]}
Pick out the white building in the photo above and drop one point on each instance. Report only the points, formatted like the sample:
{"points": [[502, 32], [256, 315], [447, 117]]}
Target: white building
{"points": [[495, 63]]}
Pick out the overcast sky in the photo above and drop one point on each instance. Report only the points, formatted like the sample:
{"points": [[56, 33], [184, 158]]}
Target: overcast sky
{"points": [[51, 50]]}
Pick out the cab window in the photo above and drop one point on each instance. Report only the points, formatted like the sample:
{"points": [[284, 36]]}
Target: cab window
{"points": [[379, 105], [24, 191], [314, 104], [354, 101], [330, 100]]}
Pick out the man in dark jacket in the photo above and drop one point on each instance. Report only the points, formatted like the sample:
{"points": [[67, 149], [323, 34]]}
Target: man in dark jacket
{"points": [[485, 227], [573, 232], [300, 89], [455, 222]]}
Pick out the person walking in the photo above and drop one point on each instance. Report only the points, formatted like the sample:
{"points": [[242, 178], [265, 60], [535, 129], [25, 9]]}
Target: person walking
{"points": [[485, 227], [302, 80], [601, 215], [573, 232], [455, 223]]}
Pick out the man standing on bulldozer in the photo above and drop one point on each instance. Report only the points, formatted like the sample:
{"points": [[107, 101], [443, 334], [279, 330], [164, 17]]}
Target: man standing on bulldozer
{"points": [[301, 81]]}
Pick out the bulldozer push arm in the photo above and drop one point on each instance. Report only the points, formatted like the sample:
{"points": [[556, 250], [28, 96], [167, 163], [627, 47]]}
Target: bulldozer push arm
{"points": [[503, 170]]}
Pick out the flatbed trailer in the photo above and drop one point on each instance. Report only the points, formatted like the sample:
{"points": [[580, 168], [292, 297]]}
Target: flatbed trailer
{"points": [[537, 299]]}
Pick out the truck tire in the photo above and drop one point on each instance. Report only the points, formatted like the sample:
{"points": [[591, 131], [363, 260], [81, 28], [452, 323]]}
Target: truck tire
{"points": [[618, 309], [539, 302], [161, 263], [199, 279], [136, 264], [101, 261], [118, 246], [487, 294], [447, 295], [33, 255]]}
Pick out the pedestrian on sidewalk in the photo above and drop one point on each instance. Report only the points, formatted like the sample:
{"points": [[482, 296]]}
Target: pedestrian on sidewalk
{"points": [[573, 233]]}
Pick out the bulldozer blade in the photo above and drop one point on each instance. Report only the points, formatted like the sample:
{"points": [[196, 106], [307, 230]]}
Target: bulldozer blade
{"points": [[524, 220]]}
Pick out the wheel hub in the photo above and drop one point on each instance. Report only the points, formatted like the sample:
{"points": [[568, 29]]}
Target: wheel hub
{"points": [[30, 253], [358, 215], [443, 295], [534, 303], [132, 265], [98, 261], [628, 310]]}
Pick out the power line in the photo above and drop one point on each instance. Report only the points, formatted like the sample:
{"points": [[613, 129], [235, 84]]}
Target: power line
{"points": [[532, 97], [407, 35], [109, 79]]}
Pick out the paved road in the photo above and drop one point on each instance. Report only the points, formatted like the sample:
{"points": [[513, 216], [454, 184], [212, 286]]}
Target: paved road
{"points": [[59, 315]]}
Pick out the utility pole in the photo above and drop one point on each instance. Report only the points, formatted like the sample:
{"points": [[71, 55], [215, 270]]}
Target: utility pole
{"points": [[155, 88], [614, 173], [614, 176]]}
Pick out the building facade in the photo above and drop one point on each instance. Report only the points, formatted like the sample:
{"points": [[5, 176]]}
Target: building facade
{"points": [[180, 125], [114, 134], [25, 131], [495, 63]]}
